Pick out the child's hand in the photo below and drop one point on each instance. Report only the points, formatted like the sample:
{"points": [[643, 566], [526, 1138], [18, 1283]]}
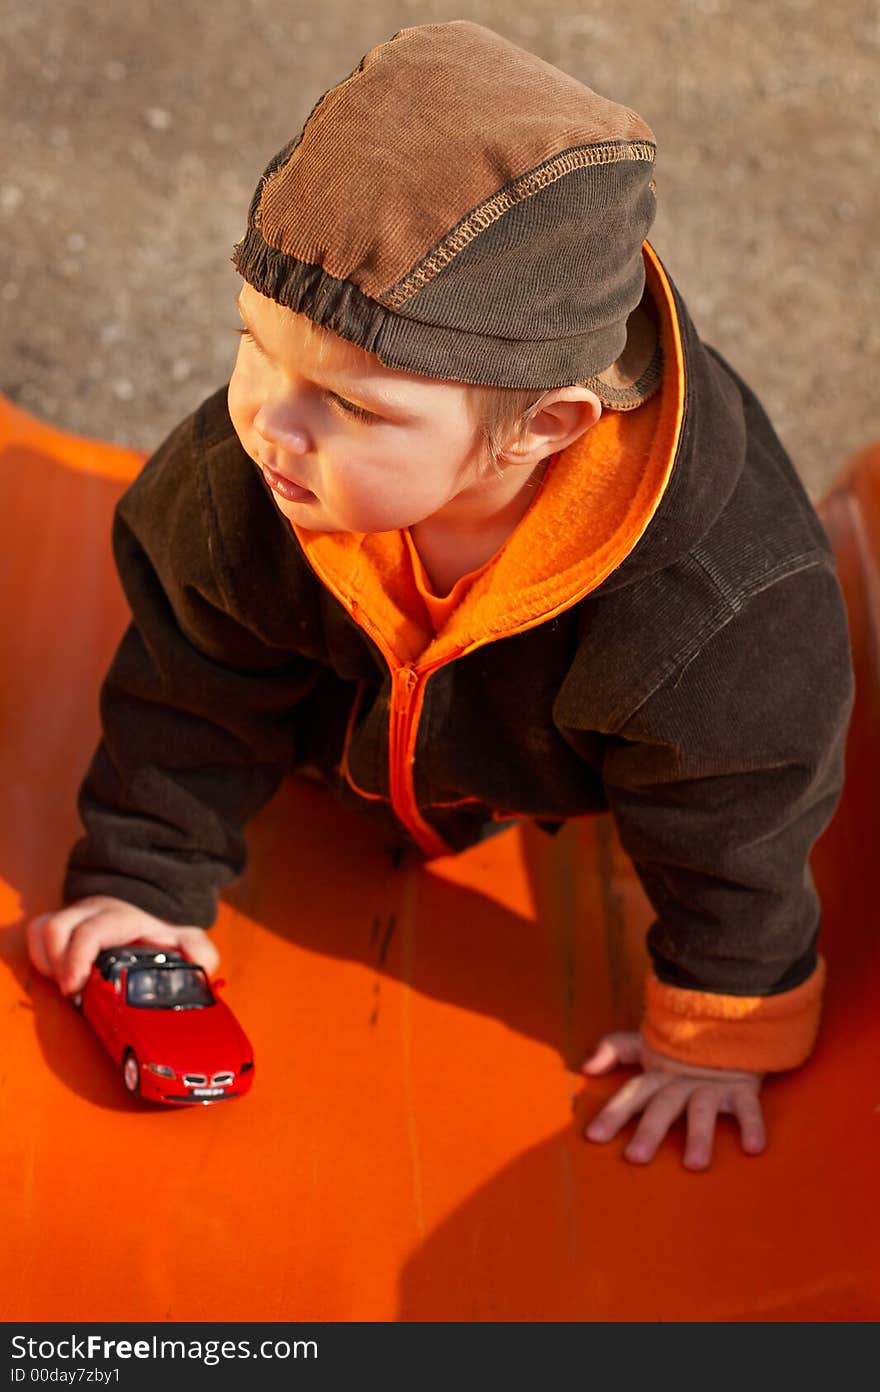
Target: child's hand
{"points": [[66, 943], [663, 1090]]}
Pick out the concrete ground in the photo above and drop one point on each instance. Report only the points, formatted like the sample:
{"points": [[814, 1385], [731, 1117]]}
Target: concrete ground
{"points": [[135, 136]]}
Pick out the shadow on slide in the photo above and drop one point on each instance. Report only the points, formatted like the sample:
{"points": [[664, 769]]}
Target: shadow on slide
{"points": [[411, 1148]]}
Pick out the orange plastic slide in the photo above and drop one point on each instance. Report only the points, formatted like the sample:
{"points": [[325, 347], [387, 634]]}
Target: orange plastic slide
{"points": [[411, 1148]]}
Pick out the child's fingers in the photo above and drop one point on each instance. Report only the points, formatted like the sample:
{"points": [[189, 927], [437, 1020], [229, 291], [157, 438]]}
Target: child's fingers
{"points": [[747, 1109], [198, 946], [105, 929], [36, 946], [628, 1100], [55, 932], [621, 1047], [669, 1101], [703, 1108], [64, 945]]}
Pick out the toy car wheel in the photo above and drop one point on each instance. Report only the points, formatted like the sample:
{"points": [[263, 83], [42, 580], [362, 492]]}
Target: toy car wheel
{"points": [[131, 1073]]}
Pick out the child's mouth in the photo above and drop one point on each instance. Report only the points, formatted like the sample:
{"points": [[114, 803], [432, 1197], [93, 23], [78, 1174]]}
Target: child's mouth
{"points": [[289, 490]]}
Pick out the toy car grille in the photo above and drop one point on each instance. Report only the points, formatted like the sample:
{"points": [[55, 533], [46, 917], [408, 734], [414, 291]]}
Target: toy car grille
{"points": [[194, 1079], [222, 1078]]}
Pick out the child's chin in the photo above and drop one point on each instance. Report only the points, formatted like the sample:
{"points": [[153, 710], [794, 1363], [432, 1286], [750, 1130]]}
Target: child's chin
{"points": [[309, 519], [304, 514]]}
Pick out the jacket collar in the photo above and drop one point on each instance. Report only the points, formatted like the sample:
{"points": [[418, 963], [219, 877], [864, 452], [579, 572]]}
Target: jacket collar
{"points": [[710, 451]]}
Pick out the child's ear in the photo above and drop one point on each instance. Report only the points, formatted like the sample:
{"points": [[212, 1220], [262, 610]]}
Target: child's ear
{"points": [[560, 417]]}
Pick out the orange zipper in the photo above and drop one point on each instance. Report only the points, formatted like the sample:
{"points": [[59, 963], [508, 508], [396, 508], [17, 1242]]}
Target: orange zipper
{"points": [[407, 695]]}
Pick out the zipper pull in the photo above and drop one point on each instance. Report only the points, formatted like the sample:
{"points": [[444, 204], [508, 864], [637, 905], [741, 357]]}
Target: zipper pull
{"points": [[405, 679]]}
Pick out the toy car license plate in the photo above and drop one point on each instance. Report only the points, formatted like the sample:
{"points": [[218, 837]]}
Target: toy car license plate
{"points": [[208, 1092]]}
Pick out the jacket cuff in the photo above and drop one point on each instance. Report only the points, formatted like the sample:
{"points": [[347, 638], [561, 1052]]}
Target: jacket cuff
{"points": [[762, 1034]]}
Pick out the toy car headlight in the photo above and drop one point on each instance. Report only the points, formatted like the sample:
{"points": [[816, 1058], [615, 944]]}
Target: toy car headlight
{"points": [[161, 1068]]}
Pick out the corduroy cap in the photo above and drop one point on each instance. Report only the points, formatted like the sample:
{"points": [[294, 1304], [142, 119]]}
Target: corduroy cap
{"points": [[467, 211]]}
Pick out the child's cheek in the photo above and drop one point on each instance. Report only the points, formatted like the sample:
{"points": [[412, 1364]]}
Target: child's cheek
{"points": [[242, 403]]}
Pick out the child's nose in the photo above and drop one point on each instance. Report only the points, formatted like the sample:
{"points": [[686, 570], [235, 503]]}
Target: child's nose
{"points": [[275, 427]]}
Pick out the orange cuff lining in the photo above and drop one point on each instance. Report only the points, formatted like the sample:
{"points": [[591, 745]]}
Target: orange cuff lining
{"points": [[762, 1034]]}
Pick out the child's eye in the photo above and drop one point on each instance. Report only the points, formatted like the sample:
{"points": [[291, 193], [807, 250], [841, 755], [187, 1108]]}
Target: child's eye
{"points": [[246, 333], [348, 407]]}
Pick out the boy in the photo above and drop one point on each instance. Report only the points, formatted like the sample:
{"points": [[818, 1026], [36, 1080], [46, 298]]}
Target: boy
{"points": [[481, 530]]}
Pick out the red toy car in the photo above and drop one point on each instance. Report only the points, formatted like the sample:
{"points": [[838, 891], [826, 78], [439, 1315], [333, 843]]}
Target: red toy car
{"points": [[159, 1018]]}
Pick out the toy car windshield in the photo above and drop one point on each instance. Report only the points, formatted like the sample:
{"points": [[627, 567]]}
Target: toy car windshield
{"points": [[171, 986]]}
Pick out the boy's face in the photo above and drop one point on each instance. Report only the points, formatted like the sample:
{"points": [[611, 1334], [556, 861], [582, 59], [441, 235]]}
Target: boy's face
{"points": [[379, 449]]}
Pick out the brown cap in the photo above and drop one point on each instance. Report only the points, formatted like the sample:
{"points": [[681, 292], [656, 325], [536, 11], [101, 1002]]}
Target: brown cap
{"points": [[464, 210]]}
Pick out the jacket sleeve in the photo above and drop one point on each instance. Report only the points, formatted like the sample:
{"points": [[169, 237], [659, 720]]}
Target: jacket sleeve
{"points": [[719, 784], [196, 711]]}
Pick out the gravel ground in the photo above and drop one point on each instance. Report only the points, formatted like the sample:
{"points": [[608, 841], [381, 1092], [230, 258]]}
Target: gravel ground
{"points": [[136, 135]]}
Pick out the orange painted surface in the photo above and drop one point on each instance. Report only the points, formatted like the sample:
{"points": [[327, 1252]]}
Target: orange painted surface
{"points": [[411, 1147]]}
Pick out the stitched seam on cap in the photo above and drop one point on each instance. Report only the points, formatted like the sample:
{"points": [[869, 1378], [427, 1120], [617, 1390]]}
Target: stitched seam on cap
{"points": [[488, 212]]}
